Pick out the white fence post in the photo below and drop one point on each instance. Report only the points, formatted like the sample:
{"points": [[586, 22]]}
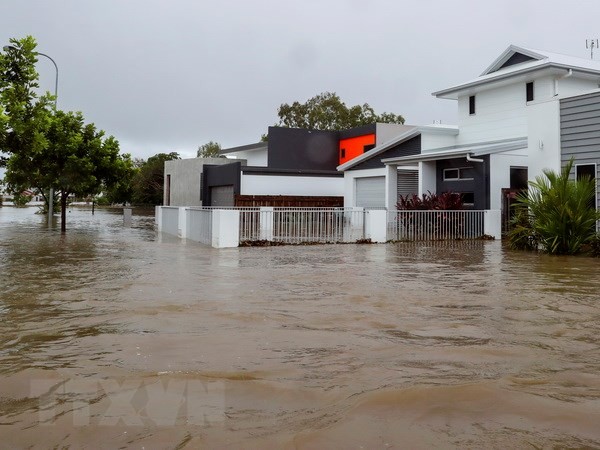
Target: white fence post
{"points": [[158, 217], [266, 220], [492, 223], [182, 224], [225, 228], [376, 225]]}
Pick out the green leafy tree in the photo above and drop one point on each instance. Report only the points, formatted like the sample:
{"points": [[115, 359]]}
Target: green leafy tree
{"points": [[77, 159], [327, 111], [20, 200], [556, 214], [210, 150], [24, 116], [148, 182], [121, 191], [47, 148]]}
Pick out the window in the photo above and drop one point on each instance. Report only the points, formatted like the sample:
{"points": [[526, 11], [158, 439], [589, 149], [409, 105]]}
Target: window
{"points": [[366, 148], [587, 171], [468, 198], [529, 91], [167, 199], [451, 174], [472, 105], [518, 178], [342, 153], [459, 173], [201, 180]]}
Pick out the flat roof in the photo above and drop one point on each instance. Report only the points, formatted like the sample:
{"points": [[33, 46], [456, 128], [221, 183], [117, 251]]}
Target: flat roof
{"points": [[248, 147]]}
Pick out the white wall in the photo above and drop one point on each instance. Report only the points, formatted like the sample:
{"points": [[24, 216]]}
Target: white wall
{"points": [[432, 139], [385, 132], [500, 173], [574, 86], [543, 137], [291, 185], [349, 187], [427, 177], [500, 113], [256, 158]]}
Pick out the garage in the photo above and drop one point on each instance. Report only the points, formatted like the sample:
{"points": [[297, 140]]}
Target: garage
{"points": [[370, 192], [221, 196]]}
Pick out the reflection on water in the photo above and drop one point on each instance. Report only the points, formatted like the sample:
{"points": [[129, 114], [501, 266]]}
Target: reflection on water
{"points": [[118, 336]]}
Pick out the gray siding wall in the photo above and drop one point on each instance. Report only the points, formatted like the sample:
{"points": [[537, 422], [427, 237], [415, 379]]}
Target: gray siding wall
{"points": [[580, 131]]}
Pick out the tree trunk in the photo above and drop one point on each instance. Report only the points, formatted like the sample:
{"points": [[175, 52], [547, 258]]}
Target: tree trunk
{"points": [[63, 212]]}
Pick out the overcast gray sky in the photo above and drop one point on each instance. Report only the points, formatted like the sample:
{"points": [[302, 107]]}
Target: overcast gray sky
{"points": [[167, 76]]}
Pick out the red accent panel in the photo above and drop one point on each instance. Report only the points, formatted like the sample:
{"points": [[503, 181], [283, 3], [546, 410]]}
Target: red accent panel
{"points": [[354, 146]]}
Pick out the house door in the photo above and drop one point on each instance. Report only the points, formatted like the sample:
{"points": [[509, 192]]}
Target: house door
{"points": [[518, 184]]}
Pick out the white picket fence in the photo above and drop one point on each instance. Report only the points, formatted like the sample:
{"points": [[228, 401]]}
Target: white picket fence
{"points": [[228, 227]]}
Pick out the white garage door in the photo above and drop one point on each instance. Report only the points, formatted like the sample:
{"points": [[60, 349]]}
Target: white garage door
{"points": [[370, 192], [221, 196]]}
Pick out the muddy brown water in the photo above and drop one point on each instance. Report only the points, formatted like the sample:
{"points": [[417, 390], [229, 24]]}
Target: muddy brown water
{"points": [[115, 337]]}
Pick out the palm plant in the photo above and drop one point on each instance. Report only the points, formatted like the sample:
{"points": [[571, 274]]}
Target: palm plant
{"points": [[559, 216]]}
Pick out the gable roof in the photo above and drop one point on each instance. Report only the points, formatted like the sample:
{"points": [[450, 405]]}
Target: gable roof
{"points": [[516, 61], [511, 53]]}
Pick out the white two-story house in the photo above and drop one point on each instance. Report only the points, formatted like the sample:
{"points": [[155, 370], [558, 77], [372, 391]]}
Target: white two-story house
{"points": [[529, 110]]}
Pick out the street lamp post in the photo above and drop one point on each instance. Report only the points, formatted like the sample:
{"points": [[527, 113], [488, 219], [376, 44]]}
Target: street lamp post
{"points": [[51, 194]]}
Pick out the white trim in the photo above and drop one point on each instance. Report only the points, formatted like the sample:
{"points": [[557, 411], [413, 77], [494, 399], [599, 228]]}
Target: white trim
{"points": [[478, 149]]}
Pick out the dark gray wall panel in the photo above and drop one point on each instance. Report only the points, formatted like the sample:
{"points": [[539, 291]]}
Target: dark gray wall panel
{"points": [[226, 175], [479, 185], [293, 148], [358, 131], [408, 148]]}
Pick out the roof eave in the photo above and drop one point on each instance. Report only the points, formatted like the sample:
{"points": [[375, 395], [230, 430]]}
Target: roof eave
{"points": [[447, 93], [486, 149]]}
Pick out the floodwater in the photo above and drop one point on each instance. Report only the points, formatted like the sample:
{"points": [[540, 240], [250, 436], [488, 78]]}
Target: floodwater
{"points": [[115, 337]]}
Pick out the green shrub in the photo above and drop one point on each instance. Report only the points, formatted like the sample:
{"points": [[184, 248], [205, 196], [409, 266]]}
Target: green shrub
{"points": [[558, 213], [522, 235]]}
